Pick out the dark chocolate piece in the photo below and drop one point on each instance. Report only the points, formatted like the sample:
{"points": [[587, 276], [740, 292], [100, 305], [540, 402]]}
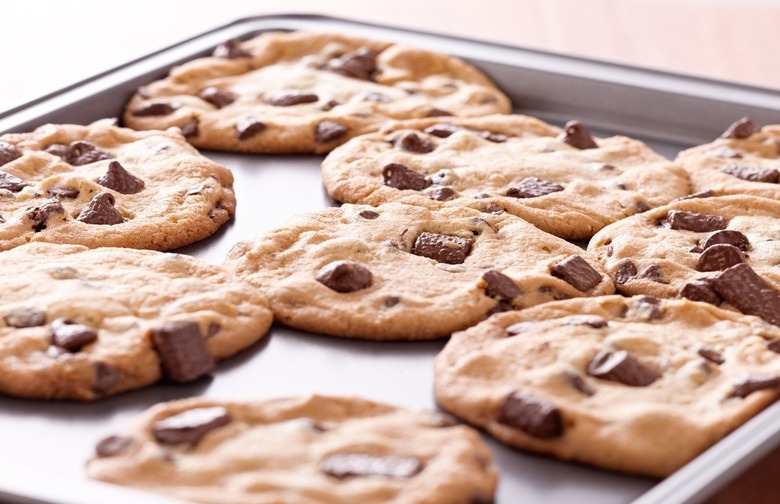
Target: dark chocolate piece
{"points": [[621, 367], [190, 426], [358, 64], [533, 187], [748, 292], [41, 214], [71, 336], [442, 130], [101, 211], [575, 271], [290, 97], [500, 286], [120, 180], [400, 177], [625, 272], [58, 149], [344, 276], [442, 193], [700, 290], [155, 108], [24, 317], [81, 153], [190, 128], [752, 173], [719, 257], [248, 127], [577, 135], [750, 383], [711, 355], [703, 194], [743, 128], [578, 383], [63, 192], [726, 236], [648, 307], [368, 214], [774, 345], [328, 131], [11, 183], [690, 221], [442, 248], [112, 445], [106, 376], [437, 112], [8, 153], [231, 49], [346, 465], [391, 301], [182, 351], [532, 415], [412, 142], [217, 97]]}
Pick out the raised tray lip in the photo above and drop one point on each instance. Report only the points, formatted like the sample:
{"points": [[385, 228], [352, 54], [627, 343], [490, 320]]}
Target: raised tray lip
{"points": [[712, 469]]}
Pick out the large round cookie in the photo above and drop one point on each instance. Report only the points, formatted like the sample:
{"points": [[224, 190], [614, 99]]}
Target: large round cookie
{"points": [[305, 450], [639, 384], [404, 272], [563, 181], [308, 92], [78, 323], [716, 249], [103, 186], [744, 160]]}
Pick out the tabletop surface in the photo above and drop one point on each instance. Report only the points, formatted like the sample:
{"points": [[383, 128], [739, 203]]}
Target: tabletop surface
{"points": [[51, 44]]}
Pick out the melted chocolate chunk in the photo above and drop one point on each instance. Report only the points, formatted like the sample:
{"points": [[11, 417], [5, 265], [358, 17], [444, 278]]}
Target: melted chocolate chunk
{"points": [[750, 383], [120, 180], [190, 426], [711, 355], [106, 376], [81, 153], [577, 135], [703, 194], [719, 257], [358, 64], [11, 183], [575, 271], [40, 215], [328, 131], [774, 345], [71, 336], [155, 108], [689, 221], [392, 301], [368, 214], [248, 127], [533, 187], [442, 248], [578, 383], [743, 128], [753, 173], [399, 176], [443, 194], [63, 192], [700, 290], [346, 465], [182, 351], [291, 97], [728, 237], [442, 130], [101, 211], [520, 328], [8, 153], [412, 142], [344, 276], [217, 97], [437, 112], [621, 367], [593, 321], [190, 128], [24, 317], [625, 272], [231, 49], [112, 445], [748, 292], [500, 286], [532, 415]]}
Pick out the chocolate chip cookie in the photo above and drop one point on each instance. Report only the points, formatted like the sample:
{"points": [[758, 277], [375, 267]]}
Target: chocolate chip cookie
{"points": [[720, 250], [639, 385], [308, 92], [104, 186], [400, 272], [79, 323], [564, 181], [299, 451], [744, 160]]}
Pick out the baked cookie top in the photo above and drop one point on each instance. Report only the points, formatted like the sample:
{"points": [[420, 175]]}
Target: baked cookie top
{"points": [[563, 181], [744, 160], [78, 323], [717, 249], [639, 385], [403, 272], [299, 451], [308, 92], [100, 185]]}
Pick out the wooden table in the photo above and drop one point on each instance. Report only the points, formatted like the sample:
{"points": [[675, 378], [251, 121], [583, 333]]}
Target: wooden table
{"points": [[48, 45]]}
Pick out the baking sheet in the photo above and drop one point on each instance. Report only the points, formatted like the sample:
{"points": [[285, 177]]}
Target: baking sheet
{"points": [[45, 445]]}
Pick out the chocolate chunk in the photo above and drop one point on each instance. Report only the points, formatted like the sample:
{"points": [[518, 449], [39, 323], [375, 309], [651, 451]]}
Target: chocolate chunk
{"points": [[190, 426], [689, 221], [750, 383], [711, 355], [442, 248], [719, 257], [748, 292], [190, 128], [217, 97], [182, 351], [346, 465], [120, 180], [112, 445], [491, 136], [437, 112], [578, 383], [330, 104], [358, 64], [577, 135], [106, 376], [442, 130], [622, 368], [753, 173], [400, 177], [8, 153], [155, 108], [576, 271], [377, 98], [652, 273], [642, 206], [532, 415], [392, 301], [81, 153], [443, 194], [703, 194], [648, 307], [11, 183], [24, 317], [743, 128], [368, 214], [231, 49], [328, 131], [248, 127], [533, 187], [500, 286], [58, 149], [726, 236], [774, 345], [625, 272], [700, 290], [520, 328], [63, 192], [101, 211], [593, 321], [344, 276], [71, 336], [412, 142], [291, 97], [41, 214]]}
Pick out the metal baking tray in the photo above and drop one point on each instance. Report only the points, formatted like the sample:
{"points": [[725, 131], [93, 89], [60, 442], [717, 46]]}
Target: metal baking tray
{"points": [[45, 444]]}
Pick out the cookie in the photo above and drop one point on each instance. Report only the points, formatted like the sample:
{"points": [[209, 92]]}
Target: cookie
{"points": [[721, 250], [299, 451], [79, 323], [399, 272], [307, 92], [744, 160], [104, 186], [638, 385], [563, 181]]}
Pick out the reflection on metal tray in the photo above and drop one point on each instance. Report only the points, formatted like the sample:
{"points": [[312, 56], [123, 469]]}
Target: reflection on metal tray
{"points": [[45, 445]]}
